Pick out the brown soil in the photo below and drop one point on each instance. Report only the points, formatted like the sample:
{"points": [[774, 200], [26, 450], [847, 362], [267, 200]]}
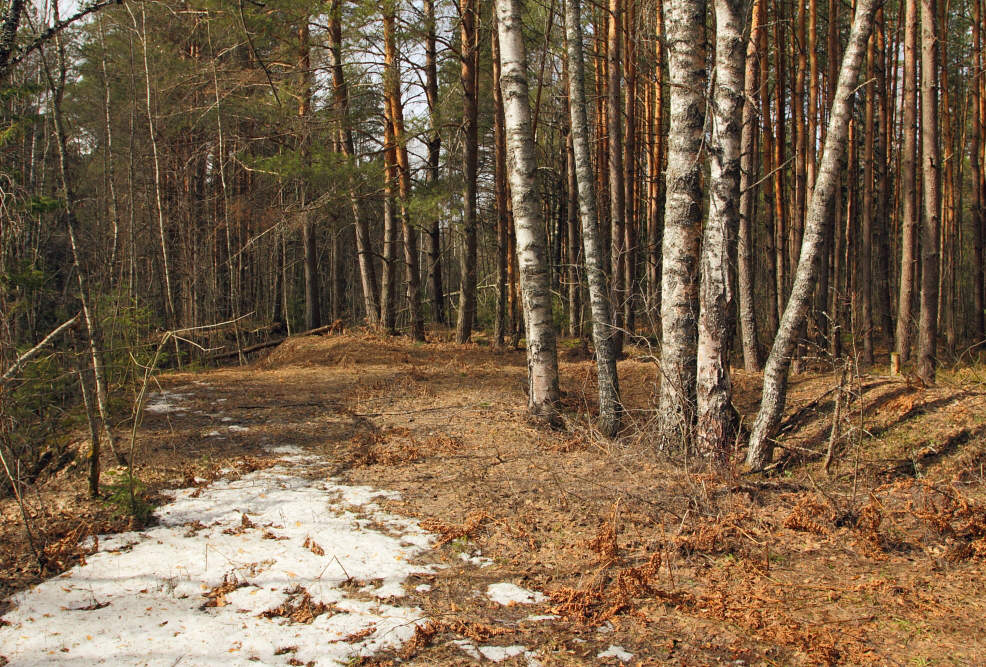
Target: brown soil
{"points": [[880, 561]]}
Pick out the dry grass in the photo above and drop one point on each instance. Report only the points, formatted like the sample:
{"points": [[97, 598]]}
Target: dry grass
{"points": [[879, 562]]}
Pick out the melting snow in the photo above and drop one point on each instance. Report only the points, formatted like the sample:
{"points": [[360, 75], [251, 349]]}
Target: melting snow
{"points": [[272, 536], [501, 653], [163, 402], [617, 652], [479, 560], [508, 594]]}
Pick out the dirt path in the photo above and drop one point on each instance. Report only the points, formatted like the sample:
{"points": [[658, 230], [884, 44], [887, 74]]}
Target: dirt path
{"points": [[560, 548]]}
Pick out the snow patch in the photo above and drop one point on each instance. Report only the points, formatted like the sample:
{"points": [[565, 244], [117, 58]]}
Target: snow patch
{"points": [[501, 653], [510, 594], [164, 402], [477, 560], [237, 428], [194, 589], [617, 652]]}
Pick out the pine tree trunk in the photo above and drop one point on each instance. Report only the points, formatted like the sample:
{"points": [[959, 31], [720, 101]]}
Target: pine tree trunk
{"points": [[908, 186], [395, 113], [388, 281], [778, 363], [434, 143], [617, 194], [979, 278], [469, 55], [682, 220], [931, 160], [748, 176], [340, 93], [542, 353], [609, 388], [503, 298]]}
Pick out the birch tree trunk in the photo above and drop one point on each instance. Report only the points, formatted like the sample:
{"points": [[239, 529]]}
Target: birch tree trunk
{"points": [[716, 424], [682, 220], [500, 194], [778, 363], [931, 158], [610, 407], [542, 353]]}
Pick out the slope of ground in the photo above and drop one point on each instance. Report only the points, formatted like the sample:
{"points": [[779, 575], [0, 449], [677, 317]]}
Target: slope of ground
{"points": [[626, 554]]}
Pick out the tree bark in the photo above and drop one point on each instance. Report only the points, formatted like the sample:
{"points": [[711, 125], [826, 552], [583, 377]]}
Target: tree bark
{"points": [[542, 353], [395, 111], [908, 185], [715, 431], [778, 363], [434, 143], [503, 233], [748, 176], [931, 173], [682, 220], [469, 55], [617, 194], [340, 92], [610, 408]]}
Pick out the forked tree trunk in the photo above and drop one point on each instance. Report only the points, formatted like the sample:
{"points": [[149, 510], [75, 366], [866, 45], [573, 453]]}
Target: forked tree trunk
{"points": [[470, 155], [716, 424], [602, 334], [395, 113], [542, 353], [682, 220], [778, 363], [908, 185], [931, 172]]}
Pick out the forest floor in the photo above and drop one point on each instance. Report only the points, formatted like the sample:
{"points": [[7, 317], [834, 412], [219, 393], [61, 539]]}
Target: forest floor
{"points": [[557, 547]]}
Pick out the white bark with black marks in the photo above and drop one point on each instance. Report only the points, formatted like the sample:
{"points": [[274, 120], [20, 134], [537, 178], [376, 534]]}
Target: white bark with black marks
{"points": [[542, 353], [610, 408], [816, 227]]}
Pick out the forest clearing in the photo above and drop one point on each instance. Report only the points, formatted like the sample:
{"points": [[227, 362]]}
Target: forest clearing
{"points": [[876, 562], [535, 332]]}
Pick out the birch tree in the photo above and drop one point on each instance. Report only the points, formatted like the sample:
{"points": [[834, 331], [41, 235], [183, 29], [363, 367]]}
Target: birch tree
{"points": [[778, 363], [602, 334], [682, 220], [535, 282], [716, 424]]}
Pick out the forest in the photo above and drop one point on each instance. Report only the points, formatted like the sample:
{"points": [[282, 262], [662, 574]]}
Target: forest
{"points": [[526, 331]]}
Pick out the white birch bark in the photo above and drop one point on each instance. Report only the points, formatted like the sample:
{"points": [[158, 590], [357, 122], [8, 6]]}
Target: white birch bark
{"points": [[682, 220], [716, 423], [610, 407], [542, 353], [779, 361]]}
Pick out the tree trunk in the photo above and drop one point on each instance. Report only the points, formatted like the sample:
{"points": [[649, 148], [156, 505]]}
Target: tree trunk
{"points": [[716, 425], [617, 194], [434, 143], [931, 172], [364, 251], [682, 220], [395, 118], [776, 371], [542, 354], [388, 282], [748, 191], [610, 408], [908, 186], [470, 154], [503, 233]]}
